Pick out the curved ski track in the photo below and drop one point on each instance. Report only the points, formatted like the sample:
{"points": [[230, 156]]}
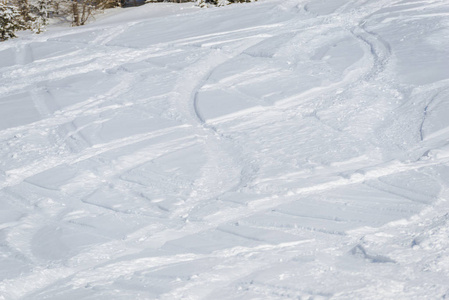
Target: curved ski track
{"points": [[124, 181]]}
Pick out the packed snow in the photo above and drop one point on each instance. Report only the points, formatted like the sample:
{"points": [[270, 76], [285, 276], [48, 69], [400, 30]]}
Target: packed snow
{"points": [[282, 149]]}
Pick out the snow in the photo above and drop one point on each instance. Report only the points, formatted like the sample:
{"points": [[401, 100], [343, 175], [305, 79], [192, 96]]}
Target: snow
{"points": [[282, 149]]}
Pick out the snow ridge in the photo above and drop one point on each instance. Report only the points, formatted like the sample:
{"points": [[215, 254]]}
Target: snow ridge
{"points": [[294, 149]]}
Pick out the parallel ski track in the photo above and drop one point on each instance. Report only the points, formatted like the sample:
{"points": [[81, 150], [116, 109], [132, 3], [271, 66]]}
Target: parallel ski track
{"points": [[102, 264]]}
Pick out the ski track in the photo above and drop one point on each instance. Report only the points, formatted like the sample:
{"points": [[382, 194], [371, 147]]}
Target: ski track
{"points": [[277, 199]]}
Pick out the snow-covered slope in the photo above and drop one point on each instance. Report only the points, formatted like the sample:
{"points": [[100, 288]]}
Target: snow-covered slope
{"points": [[283, 149]]}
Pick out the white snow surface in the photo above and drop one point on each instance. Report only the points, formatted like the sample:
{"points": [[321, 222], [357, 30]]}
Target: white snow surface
{"points": [[283, 149]]}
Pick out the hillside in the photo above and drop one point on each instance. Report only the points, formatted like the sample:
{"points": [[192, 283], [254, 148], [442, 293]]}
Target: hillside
{"points": [[282, 149]]}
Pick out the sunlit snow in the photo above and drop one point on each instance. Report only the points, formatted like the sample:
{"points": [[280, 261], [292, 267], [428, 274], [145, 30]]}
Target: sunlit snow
{"points": [[282, 149]]}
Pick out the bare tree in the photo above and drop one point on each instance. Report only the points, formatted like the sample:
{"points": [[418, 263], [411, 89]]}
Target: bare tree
{"points": [[81, 10]]}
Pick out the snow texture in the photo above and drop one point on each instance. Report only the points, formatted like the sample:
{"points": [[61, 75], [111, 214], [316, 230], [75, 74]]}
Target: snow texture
{"points": [[282, 149]]}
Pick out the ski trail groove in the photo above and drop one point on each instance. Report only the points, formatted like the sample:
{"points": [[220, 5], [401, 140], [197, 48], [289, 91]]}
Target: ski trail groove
{"points": [[296, 195]]}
